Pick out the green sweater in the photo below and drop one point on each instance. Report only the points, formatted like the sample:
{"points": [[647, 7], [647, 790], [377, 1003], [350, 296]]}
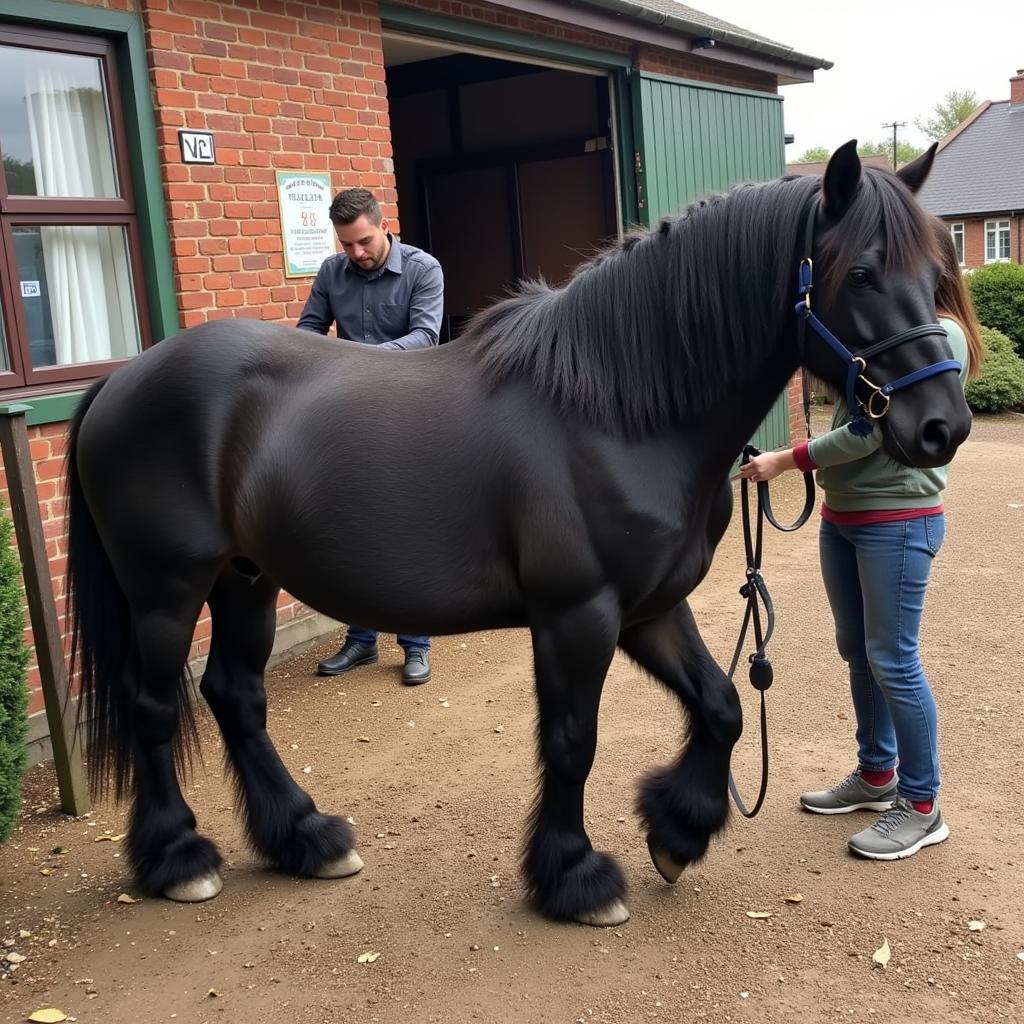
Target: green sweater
{"points": [[858, 475]]}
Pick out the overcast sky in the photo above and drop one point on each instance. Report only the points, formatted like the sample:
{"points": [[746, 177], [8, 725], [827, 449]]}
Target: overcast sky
{"points": [[894, 59]]}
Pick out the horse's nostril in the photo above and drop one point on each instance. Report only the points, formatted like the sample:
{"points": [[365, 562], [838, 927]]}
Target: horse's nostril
{"points": [[935, 437]]}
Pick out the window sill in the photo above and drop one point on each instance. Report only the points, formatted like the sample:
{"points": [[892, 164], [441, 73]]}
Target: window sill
{"points": [[49, 408]]}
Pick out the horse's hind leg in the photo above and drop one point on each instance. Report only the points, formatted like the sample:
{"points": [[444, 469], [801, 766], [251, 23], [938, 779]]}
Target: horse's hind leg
{"points": [[283, 824], [685, 803], [163, 847], [566, 877]]}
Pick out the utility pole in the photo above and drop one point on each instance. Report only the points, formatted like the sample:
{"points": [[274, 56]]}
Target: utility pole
{"points": [[894, 125]]}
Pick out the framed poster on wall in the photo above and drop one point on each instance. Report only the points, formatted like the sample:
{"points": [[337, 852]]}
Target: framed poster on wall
{"points": [[306, 230]]}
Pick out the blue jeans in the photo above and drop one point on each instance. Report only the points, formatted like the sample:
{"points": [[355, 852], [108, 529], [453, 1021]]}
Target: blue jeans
{"points": [[875, 577], [408, 642]]}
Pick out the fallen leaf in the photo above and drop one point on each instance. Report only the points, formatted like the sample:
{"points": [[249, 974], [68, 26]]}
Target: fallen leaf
{"points": [[59, 850], [213, 994], [795, 898], [15, 958], [445, 704], [362, 739], [109, 839], [308, 770], [975, 926], [882, 955], [48, 1015], [1020, 955], [759, 915], [125, 898], [367, 958], [46, 871]]}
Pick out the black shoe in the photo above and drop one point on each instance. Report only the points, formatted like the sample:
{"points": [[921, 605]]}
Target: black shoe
{"points": [[417, 667], [351, 656]]}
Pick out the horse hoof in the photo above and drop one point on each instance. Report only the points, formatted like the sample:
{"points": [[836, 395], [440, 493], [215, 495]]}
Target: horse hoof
{"points": [[615, 913], [340, 867], [196, 889], [667, 867]]}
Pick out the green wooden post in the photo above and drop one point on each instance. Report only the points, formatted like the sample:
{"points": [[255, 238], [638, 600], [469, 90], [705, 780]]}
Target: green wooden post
{"points": [[42, 610]]}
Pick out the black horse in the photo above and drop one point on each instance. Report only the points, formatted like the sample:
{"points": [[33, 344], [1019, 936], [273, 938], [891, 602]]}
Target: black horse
{"points": [[563, 466]]}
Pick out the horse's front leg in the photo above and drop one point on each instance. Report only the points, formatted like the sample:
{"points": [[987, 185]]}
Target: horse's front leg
{"points": [[567, 879], [686, 802]]}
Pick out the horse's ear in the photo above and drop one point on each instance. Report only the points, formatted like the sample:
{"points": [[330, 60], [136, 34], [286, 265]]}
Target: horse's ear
{"points": [[913, 175], [842, 176]]}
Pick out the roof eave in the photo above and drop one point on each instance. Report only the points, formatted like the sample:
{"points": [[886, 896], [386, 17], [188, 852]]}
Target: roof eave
{"points": [[1007, 211], [679, 23]]}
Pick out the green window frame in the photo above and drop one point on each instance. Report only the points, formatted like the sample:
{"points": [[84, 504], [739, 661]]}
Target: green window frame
{"points": [[124, 33]]}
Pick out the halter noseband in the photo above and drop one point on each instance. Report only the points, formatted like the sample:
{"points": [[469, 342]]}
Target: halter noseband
{"points": [[880, 396]]}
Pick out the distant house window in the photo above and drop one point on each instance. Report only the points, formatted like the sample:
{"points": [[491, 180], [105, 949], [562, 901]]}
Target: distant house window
{"points": [[957, 231], [997, 241]]}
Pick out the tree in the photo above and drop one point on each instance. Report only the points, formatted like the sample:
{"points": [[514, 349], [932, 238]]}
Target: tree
{"points": [[905, 152], [950, 113], [814, 155]]}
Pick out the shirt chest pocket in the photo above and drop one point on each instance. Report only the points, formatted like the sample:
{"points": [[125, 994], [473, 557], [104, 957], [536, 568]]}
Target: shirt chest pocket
{"points": [[393, 320]]}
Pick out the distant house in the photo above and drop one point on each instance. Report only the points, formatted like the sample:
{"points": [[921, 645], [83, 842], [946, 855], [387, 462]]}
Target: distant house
{"points": [[818, 167], [977, 183]]}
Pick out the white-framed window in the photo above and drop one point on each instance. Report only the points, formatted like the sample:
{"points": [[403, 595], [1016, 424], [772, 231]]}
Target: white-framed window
{"points": [[957, 231], [997, 241]]}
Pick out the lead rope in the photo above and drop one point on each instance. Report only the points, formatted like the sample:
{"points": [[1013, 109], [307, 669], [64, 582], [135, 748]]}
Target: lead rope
{"points": [[755, 590]]}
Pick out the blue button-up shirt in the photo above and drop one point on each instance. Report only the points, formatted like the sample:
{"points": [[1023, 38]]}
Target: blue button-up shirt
{"points": [[398, 305]]}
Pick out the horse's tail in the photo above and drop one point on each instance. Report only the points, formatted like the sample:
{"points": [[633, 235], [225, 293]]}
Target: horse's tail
{"points": [[101, 635]]}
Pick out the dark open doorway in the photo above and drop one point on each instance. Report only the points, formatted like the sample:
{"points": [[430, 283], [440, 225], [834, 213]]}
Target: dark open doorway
{"points": [[504, 169]]}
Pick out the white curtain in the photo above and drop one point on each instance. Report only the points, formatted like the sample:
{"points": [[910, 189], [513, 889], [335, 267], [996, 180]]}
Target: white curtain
{"points": [[92, 304]]}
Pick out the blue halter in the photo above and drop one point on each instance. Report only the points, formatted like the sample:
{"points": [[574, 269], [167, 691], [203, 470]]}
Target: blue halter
{"points": [[880, 396]]}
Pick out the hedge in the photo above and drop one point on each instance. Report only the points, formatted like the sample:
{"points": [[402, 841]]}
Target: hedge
{"points": [[13, 691], [1000, 385]]}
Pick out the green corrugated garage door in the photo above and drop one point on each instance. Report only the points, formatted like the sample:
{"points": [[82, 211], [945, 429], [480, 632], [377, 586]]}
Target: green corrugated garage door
{"points": [[695, 138]]}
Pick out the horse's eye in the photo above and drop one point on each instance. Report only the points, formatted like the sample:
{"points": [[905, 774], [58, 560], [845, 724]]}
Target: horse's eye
{"points": [[859, 278]]}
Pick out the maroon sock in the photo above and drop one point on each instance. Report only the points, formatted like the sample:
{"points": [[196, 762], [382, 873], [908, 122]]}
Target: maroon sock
{"points": [[877, 778], [923, 806]]}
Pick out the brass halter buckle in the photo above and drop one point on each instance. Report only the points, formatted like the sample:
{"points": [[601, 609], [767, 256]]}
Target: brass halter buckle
{"points": [[876, 393]]}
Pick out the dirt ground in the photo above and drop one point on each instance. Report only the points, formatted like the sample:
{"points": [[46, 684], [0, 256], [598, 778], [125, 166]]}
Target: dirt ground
{"points": [[438, 780]]}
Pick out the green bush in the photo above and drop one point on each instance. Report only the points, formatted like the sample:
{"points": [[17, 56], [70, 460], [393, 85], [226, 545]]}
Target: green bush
{"points": [[13, 692], [998, 293], [1001, 383]]}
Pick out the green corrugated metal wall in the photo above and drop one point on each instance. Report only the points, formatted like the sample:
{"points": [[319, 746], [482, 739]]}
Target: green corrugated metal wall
{"points": [[697, 139], [693, 139]]}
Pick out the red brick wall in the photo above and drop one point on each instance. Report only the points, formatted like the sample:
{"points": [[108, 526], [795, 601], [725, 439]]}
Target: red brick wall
{"points": [[665, 62], [46, 447], [285, 86]]}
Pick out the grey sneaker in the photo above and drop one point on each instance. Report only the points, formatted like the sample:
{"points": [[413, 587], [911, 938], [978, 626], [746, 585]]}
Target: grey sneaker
{"points": [[900, 832], [852, 794]]}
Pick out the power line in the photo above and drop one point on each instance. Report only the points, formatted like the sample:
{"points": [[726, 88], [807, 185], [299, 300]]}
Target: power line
{"points": [[894, 125]]}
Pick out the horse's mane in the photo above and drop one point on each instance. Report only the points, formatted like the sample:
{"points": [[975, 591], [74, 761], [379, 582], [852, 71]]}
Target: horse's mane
{"points": [[665, 322]]}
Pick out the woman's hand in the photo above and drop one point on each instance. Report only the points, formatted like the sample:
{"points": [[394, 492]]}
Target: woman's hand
{"points": [[768, 466]]}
